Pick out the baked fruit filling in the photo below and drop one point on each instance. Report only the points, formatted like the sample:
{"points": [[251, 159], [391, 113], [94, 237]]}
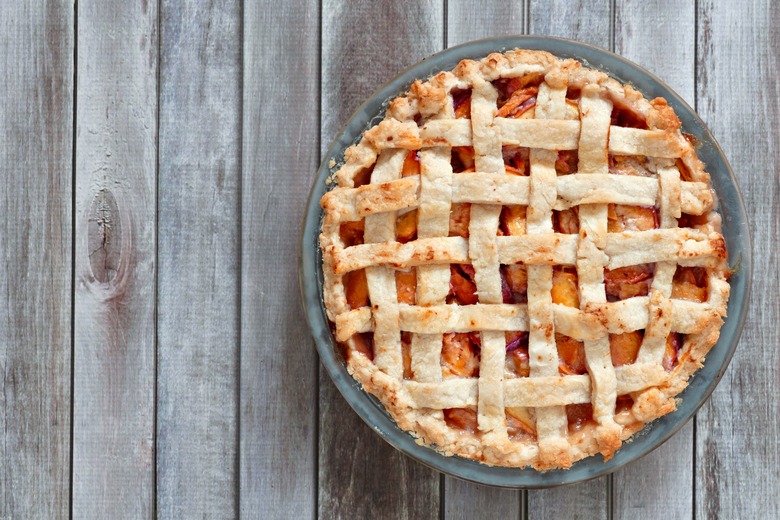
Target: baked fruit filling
{"points": [[463, 290], [601, 202], [461, 102]]}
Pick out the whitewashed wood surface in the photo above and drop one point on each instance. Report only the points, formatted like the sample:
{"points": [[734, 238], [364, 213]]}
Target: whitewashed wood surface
{"points": [[156, 156]]}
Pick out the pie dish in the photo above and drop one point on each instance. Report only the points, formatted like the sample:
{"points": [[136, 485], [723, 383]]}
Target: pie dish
{"points": [[523, 261], [639, 199]]}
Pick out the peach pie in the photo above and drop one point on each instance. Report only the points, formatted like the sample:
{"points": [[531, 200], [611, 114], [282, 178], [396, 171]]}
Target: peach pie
{"points": [[522, 261]]}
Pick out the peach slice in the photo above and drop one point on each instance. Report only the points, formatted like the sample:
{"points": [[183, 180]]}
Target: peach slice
{"points": [[459, 356], [672, 351], [631, 218], [567, 221], [351, 233], [411, 164], [356, 287], [571, 355], [564, 289], [406, 286], [629, 281], [463, 288], [690, 283], [517, 277], [461, 418], [625, 347], [513, 219], [518, 102], [406, 226], [578, 415], [519, 424], [406, 354]]}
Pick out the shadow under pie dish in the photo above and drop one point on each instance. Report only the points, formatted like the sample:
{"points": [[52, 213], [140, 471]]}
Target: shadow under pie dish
{"points": [[523, 262]]}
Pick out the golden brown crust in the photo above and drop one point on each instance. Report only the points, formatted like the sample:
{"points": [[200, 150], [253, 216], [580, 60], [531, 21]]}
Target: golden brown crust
{"points": [[424, 120]]}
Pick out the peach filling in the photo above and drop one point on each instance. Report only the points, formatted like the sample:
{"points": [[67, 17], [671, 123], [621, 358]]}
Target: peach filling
{"points": [[459, 355], [672, 351], [626, 116], [406, 285], [363, 343], [356, 287], [571, 356], [564, 287], [579, 415], [519, 424], [624, 347], [512, 220], [515, 276], [512, 92], [462, 158], [461, 418], [566, 162], [519, 102], [463, 290], [406, 354], [631, 218], [517, 364], [516, 159], [406, 226], [690, 283], [629, 281], [566, 221], [461, 101], [351, 233]]}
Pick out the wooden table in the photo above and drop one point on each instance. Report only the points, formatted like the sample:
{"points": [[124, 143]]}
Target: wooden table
{"points": [[156, 156]]}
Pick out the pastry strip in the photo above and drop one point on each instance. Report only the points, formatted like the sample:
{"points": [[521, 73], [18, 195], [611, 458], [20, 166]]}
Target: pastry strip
{"points": [[484, 254], [593, 159]]}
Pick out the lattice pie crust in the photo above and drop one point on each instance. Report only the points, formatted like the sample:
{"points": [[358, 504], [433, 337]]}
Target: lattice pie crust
{"points": [[629, 155]]}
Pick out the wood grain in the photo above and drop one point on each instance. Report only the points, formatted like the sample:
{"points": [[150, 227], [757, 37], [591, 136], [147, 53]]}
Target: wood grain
{"points": [[360, 475], [738, 91], [198, 252], [36, 133], [466, 22], [589, 22], [466, 501], [648, 32], [278, 421], [114, 352]]}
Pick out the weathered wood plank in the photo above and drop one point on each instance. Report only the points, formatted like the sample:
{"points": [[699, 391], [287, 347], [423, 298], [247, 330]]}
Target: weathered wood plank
{"points": [[649, 33], [278, 361], [114, 352], [737, 430], [464, 500], [36, 137], [658, 485], [465, 22], [590, 22], [360, 475], [198, 252]]}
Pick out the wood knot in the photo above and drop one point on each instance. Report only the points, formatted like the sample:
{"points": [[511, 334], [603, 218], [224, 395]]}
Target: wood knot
{"points": [[104, 234]]}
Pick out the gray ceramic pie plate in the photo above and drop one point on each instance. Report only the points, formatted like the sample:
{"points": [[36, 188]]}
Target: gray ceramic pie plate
{"points": [[735, 230]]}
